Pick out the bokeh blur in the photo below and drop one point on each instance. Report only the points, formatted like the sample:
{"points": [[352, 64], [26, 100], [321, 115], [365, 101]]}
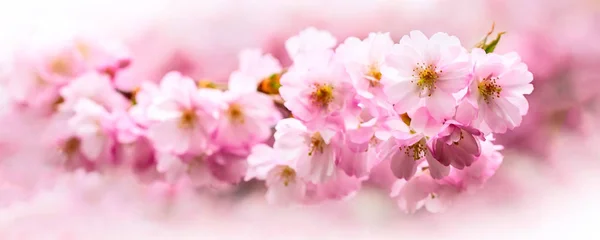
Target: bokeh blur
{"points": [[546, 188]]}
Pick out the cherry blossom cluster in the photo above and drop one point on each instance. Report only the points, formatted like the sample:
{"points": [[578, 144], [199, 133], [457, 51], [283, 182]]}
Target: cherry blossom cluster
{"points": [[424, 108]]}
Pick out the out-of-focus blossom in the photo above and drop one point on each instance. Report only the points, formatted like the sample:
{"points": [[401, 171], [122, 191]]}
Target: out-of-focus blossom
{"points": [[309, 40], [94, 127], [280, 176], [314, 152], [94, 86], [184, 117], [254, 68], [246, 119]]}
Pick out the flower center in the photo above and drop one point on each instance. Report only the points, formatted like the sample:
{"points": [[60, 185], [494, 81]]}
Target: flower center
{"points": [[427, 77], [235, 113], [374, 75], [83, 49], [417, 150], [317, 143], [71, 146], [195, 164], [56, 104], [60, 66], [188, 119], [323, 95], [287, 175], [489, 89]]}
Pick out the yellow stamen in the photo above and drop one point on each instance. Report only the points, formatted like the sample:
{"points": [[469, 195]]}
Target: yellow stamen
{"points": [[323, 95], [71, 146], [60, 66], [317, 143], [427, 77], [56, 104], [83, 49], [417, 150], [235, 113], [489, 89], [188, 119], [288, 175], [374, 76]]}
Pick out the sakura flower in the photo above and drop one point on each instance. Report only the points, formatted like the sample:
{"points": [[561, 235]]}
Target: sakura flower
{"points": [[413, 146], [315, 151], [316, 90], [423, 191], [94, 127], [365, 143], [96, 87], [281, 178], [171, 165], [143, 98], [309, 40], [428, 72], [473, 177], [228, 167], [457, 145], [365, 60], [254, 67], [200, 170], [56, 61], [498, 88], [37, 73], [341, 187], [127, 130], [247, 119], [103, 55], [137, 155], [183, 117]]}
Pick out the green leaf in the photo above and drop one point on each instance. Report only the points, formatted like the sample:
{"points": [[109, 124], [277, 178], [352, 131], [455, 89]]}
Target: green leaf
{"points": [[490, 47]]}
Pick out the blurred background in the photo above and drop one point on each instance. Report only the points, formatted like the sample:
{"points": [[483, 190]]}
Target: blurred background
{"points": [[547, 187]]}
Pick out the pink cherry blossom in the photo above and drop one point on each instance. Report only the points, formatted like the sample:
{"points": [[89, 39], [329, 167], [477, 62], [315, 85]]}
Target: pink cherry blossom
{"points": [[253, 68], [309, 40], [341, 187], [94, 86], [365, 60], [127, 130], [144, 96], [315, 151], [37, 73], [183, 116], [94, 127], [246, 119], [215, 171], [457, 145], [317, 90], [414, 144], [423, 191], [498, 87], [428, 72], [103, 55], [473, 177], [283, 183]]}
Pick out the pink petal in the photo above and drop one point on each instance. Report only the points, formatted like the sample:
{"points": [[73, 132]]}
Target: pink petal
{"points": [[403, 165], [437, 169], [441, 105]]}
